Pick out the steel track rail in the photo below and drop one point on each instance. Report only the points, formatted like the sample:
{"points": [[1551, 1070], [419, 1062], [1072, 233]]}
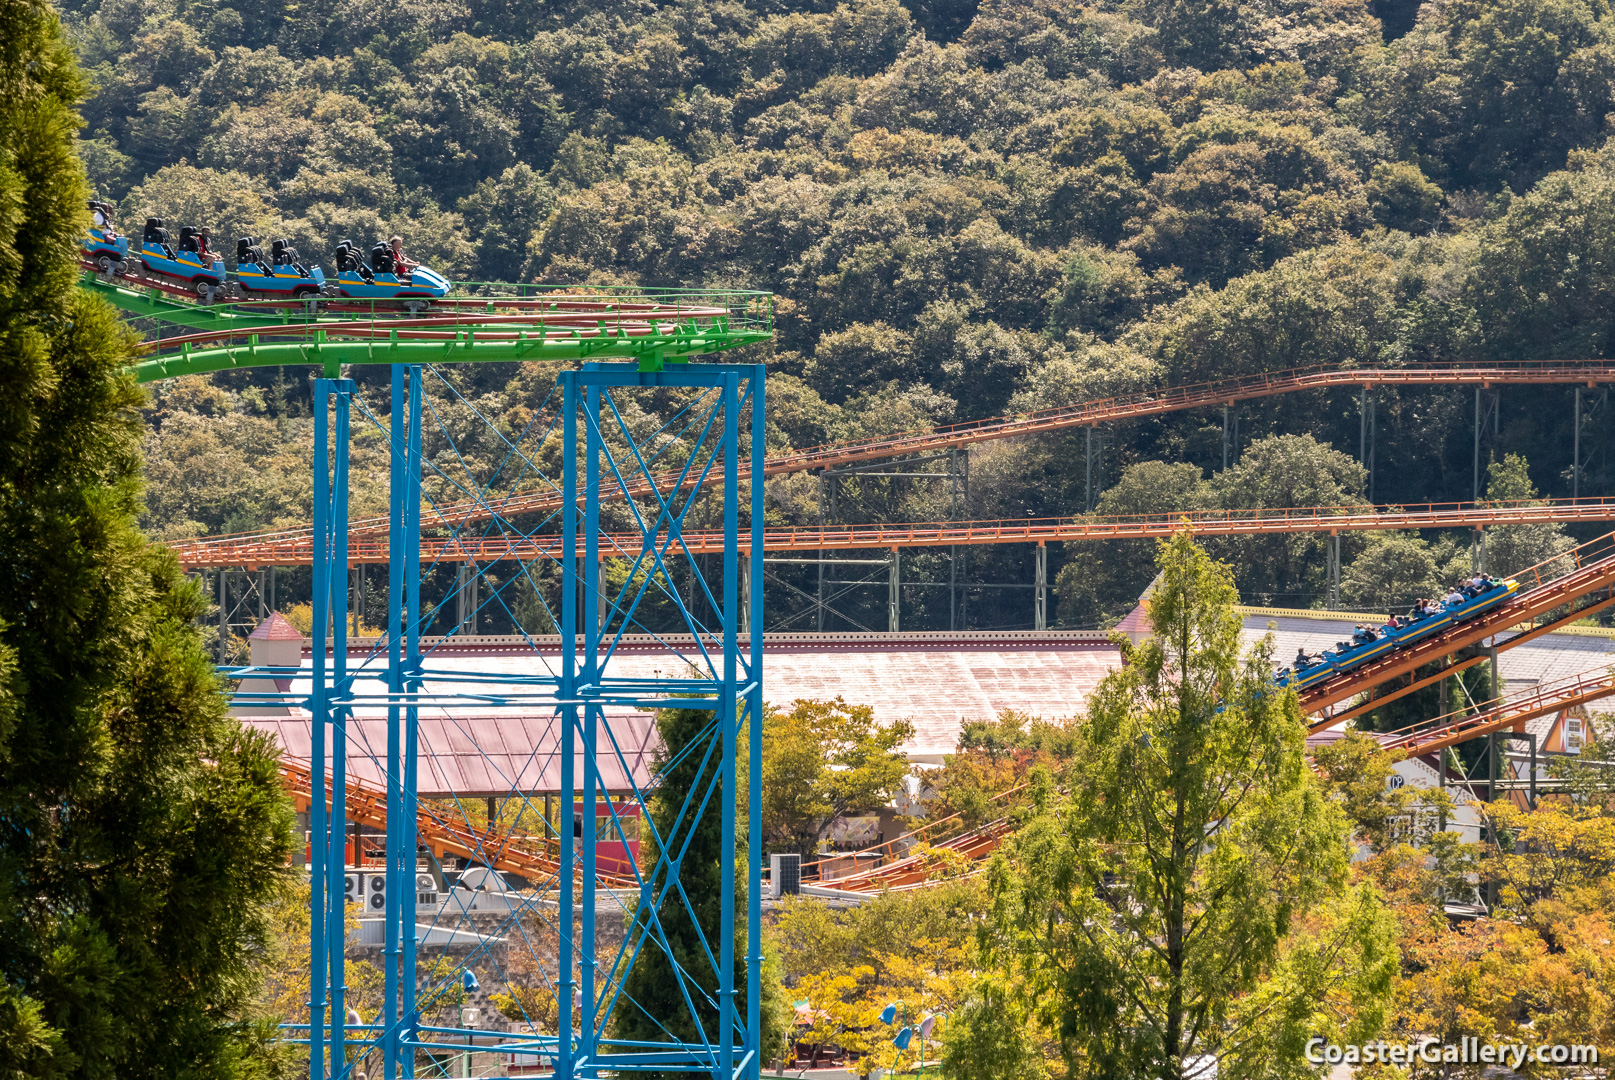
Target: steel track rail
{"points": [[1510, 713], [298, 551], [1546, 601], [1130, 406], [496, 848]]}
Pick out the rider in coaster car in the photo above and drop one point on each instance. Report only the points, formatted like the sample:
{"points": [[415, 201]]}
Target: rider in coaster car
{"points": [[1302, 660], [1455, 597], [101, 213], [1480, 583], [404, 263], [1363, 635]]}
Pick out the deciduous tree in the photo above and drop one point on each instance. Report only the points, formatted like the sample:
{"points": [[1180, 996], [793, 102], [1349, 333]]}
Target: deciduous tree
{"points": [[1189, 896], [822, 759]]}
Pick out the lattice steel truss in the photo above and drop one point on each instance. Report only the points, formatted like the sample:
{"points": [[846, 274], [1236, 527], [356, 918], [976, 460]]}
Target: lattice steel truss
{"points": [[593, 444]]}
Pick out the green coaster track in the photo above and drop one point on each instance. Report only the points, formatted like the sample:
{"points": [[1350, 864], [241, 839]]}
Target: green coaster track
{"points": [[479, 322]]}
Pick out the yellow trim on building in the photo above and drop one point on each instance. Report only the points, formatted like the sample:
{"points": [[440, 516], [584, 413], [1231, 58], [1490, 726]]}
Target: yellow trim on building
{"points": [[1377, 617]]}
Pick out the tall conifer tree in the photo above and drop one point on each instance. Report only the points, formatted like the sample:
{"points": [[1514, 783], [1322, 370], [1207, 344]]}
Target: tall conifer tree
{"points": [[653, 1007], [141, 829]]}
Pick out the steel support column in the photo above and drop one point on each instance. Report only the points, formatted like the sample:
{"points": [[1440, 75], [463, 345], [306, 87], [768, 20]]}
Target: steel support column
{"points": [[224, 615], [818, 620], [1366, 408], [1040, 610], [1483, 410], [328, 834], [754, 731], [894, 589], [1088, 463], [1334, 572], [1225, 436], [718, 670], [1575, 449]]}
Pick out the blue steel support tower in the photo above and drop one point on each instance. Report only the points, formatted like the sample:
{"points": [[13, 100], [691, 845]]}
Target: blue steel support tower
{"points": [[605, 458]]}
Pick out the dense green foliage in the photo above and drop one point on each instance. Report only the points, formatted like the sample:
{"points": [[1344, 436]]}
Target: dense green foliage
{"points": [[965, 206], [141, 830], [821, 761]]}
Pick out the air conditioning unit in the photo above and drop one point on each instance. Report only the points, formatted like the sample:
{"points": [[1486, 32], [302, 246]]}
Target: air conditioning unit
{"points": [[425, 892], [353, 885], [375, 893], [785, 874]]}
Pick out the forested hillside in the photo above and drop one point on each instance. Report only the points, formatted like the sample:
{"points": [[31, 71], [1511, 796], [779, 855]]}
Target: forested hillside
{"points": [[964, 208]]}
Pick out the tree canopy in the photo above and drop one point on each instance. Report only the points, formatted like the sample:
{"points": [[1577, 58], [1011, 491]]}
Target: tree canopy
{"points": [[966, 207], [1187, 895], [822, 759]]}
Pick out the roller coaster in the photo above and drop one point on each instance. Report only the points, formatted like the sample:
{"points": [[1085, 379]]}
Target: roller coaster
{"points": [[537, 860], [250, 550], [284, 312]]}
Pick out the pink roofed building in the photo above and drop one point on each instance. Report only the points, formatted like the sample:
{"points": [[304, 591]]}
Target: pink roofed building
{"points": [[937, 682]]}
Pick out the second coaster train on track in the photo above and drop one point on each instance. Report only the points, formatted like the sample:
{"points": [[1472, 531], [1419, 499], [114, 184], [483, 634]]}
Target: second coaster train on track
{"points": [[186, 262]]}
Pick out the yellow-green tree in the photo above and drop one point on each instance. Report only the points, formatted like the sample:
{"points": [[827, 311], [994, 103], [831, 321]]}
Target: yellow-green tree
{"points": [[821, 760], [1188, 896]]}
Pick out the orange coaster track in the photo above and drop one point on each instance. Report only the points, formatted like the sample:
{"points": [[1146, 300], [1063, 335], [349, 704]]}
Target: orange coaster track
{"points": [[1507, 714], [1545, 603], [1129, 406], [1439, 733], [248, 551], [1550, 595], [538, 863], [917, 870]]}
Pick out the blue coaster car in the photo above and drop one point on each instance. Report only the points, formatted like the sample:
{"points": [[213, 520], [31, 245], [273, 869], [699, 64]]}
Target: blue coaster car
{"points": [[202, 272], [280, 274], [104, 247], [1350, 654], [380, 280]]}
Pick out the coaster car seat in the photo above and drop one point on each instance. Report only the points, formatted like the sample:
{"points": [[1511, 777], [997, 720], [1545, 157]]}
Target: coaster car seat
{"points": [[349, 261]]}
